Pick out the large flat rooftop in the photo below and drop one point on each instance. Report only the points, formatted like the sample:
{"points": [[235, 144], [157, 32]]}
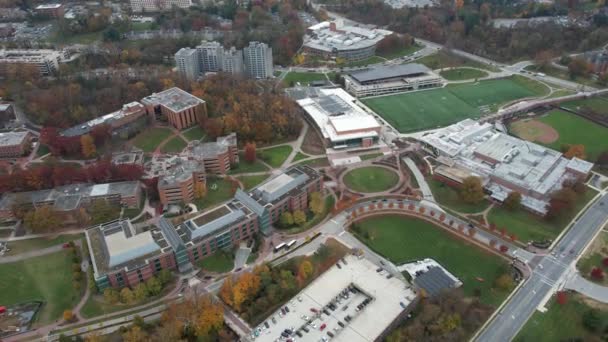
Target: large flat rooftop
{"points": [[389, 72], [344, 289], [345, 36], [174, 99], [12, 138]]}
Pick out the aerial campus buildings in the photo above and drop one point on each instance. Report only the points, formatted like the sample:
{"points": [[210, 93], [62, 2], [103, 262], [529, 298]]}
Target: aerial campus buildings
{"points": [[14, 144], [255, 60], [352, 302], [390, 79], [504, 163], [340, 120], [46, 61], [124, 254], [337, 39], [158, 5]]}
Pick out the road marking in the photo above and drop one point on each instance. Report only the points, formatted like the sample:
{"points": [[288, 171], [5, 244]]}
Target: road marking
{"points": [[343, 232]]}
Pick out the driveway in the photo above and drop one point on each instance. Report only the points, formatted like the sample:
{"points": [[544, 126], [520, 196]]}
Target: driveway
{"points": [[583, 286]]}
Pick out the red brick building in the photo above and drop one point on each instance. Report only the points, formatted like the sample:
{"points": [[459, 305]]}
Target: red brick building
{"points": [[50, 10], [180, 108], [14, 144], [180, 184]]}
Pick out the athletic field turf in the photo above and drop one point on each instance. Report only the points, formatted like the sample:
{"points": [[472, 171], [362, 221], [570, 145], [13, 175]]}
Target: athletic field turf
{"points": [[421, 110]]}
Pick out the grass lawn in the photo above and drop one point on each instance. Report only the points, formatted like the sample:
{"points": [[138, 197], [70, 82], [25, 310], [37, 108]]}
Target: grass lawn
{"points": [[449, 196], [275, 156], [219, 263], [404, 51], [370, 179], [250, 182], [47, 278], [244, 166], [136, 26], [560, 93], [42, 150], [194, 133], [22, 246], [530, 227], [175, 145], [317, 162], [403, 239], [593, 257], [573, 129], [597, 104], [149, 139], [364, 62], [299, 156], [562, 323], [131, 212], [444, 60], [222, 193], [303, 77], [371, 156], [460, 74], [564, 75], [420, 110]]}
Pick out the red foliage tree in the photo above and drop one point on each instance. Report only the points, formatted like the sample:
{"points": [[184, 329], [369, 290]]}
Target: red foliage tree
{"points": [[605, 262], [250, 152], [410, 206], [513, 237], [597, 273], [422, 210], [562, 297], [101, 133], [504, 249]]}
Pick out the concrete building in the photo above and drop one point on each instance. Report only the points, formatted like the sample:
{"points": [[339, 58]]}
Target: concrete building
{"points": [[7, 113], [14, 144], [391, 79], [133, 157], [45, 61], [158, 5], [233, 61], [50, 10], [211, 56], [71, 197], [177, 106], [187, 63], [341, 121], [351, 302], [180, 184], [504, 163], [123, 255], [258, 60], [217, 156], [336, 39], [117, 121]]}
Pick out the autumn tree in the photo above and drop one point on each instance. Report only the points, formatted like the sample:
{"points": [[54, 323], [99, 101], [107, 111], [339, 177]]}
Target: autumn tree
{"points": [[154, 286], [299, 217], [543, 59], [226, 291], [199, 190], [577, 150], [562, 297], [88, 146], [111, 296], [504, 282], [127, 296], [211, 317], [140, 292], [513, 201], [578, 67], [305, 270], [42, 220], [597, 273], [560, 201], [316, 204], [135, 334], [471, 190], [68, 315], [250, 152], [286, 219]]}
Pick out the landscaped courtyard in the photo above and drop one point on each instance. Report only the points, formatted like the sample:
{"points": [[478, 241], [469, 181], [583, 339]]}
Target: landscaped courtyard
{"points": [[149, 139], [219, 262], [371, 179], [402, 239], [218, 190], [275, 156]]}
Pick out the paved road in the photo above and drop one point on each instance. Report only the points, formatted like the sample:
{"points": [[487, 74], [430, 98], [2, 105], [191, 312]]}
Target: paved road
{"points": [[587, 288], [546, 276]]}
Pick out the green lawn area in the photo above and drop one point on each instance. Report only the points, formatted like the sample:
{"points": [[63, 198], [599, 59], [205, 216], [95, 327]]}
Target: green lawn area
{"points": [[598, 104], [194, 133], [149, 139], [593, 257], [244, 166], [317, 162], [303, 77], [175, 145], [371, 156], [364, 62], [403, 239], [370, 179], [22, 246], [250, 182], [300, 156], [574, 129], [444, 60], [222, 193], [530, 227], [449, 197], [46, 278], [275, 156], [401, 52], [136, 26], [219, 262], [460, 74], [42, 150], [561, 323], [415, 111]]}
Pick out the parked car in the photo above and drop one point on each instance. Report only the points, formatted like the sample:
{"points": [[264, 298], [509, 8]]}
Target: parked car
{"points": [[322, 327]]}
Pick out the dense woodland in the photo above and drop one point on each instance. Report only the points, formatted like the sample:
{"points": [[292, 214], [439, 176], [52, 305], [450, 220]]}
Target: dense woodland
{"points": [[466, 25]]}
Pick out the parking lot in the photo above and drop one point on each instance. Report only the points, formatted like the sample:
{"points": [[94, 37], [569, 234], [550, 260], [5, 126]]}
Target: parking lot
{"points": [[351, 302]]}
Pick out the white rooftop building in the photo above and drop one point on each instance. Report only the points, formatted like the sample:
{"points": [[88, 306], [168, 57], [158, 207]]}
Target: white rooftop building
{"points": [[341, 292], [341, 121], [351, 41], [505, 163]]}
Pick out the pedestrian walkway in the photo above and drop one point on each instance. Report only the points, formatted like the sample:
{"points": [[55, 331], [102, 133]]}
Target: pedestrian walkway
{"points": [[427, 194], [586, 287]]}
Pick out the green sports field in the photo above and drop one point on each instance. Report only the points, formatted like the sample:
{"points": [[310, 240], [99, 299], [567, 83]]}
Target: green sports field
{"points": [[421, 110]]}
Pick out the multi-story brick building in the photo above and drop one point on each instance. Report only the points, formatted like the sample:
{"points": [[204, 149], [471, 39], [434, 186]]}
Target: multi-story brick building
{"points": [[120, 261], [117, 121], [124, 255], [180, 184], [69, 198], [50, 10], [217, 156], [14, 144], [178, 107], [46, 61]]}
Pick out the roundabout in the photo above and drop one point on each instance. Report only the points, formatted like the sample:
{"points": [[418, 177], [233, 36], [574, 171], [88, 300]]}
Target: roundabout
{"points": [[371, 179]]}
